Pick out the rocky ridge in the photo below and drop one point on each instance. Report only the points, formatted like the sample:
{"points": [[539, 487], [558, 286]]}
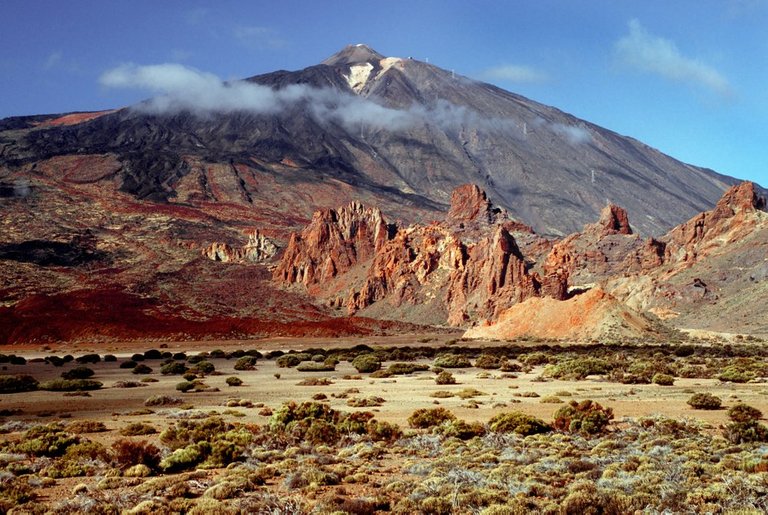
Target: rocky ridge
{"points": [[454, 271]]}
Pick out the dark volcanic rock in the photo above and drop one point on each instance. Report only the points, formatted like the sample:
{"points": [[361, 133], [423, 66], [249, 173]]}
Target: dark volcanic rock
{"points": [[533, 160]]}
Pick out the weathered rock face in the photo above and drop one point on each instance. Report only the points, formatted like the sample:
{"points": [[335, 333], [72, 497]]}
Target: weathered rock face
{"points": [[467, 267], [602, 249], [258, 249], [729, 221], [333, 242], [613, 220]]}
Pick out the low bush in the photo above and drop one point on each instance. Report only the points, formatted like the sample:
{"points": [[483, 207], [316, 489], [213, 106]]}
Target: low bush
{"points": [[487, 361], [80, 372], [578, 368], [70, 385], [460, 429], [138, 428], [366, 363], [128, 453], [234, 381], [88, 358], [519, 423], [141, 368], [406, 368], [452, 361], [163, 400], [246, 363], [17, 383], [128, 364], [586, 417], [203, 368], [173, 368], [312, 366], [444, 378], [705, 401], [746, 432], [185, 386], [744, 413], [429, 417], [86, 426], [291, 360], [46, 440], [736, 374], [663, 379]]}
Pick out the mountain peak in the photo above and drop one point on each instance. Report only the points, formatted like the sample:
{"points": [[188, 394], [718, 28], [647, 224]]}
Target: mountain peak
{"points": [[354, 54]]}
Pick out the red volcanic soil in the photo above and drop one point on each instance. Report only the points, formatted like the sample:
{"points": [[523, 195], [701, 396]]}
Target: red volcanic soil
{"points": [[74, 118], [117, 315]]}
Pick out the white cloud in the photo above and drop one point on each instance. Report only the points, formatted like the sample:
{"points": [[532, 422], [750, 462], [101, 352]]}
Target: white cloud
{"points": [[652, 54], [180, 88], [514, 73]]}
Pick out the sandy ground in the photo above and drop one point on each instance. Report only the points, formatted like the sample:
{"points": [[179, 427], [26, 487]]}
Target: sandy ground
{"points": [[402, 394]]}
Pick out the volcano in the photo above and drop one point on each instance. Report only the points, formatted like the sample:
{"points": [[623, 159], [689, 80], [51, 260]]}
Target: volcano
{"points": [[137, 207]]}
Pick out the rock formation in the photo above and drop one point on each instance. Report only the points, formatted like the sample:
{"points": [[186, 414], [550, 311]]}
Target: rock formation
{"points": [[466, 267], [258, 249], [333, 242]]}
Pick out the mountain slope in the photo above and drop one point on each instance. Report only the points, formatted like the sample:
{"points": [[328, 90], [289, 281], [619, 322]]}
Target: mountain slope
{"points": [[399, 132]]}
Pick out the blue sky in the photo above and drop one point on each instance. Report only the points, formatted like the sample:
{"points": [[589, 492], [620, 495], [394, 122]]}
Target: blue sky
{"points": [[687, 77]]}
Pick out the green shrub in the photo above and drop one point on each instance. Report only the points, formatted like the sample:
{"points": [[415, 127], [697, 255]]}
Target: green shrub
{"points": [[445, 377], [141, 369], [203, 368], [88, 358], [744, 413], [705, 401], [406, 368], [578, 368], [246, 363], [70, 385], [534, 359], [162, 400], [185, 458], [487, 361], [429, 417], [80, 372], [17, 383], [517, 422], [312, 366], [86, 426], [128, 364], [663, 379], [366, 363], [461, 429], [583, 417], [128, 453], [746, 432], [452, 361], [234, 381], [46, 440], [185, 386], [736, 374], [138, 428], [173, 368], [291, 360]]}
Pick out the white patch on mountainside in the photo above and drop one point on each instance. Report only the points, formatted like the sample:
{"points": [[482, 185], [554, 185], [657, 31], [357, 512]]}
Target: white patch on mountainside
{"points": [[387, 63], [358, 76]]}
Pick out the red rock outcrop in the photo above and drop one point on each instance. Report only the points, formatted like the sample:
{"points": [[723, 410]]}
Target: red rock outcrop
{"points": [[258, 249], [467, 267], [613, 220], [729, 221], [333, 242]]}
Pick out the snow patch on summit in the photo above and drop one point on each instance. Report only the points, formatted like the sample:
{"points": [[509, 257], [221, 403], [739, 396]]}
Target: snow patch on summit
{"points": [[358, 76]]}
